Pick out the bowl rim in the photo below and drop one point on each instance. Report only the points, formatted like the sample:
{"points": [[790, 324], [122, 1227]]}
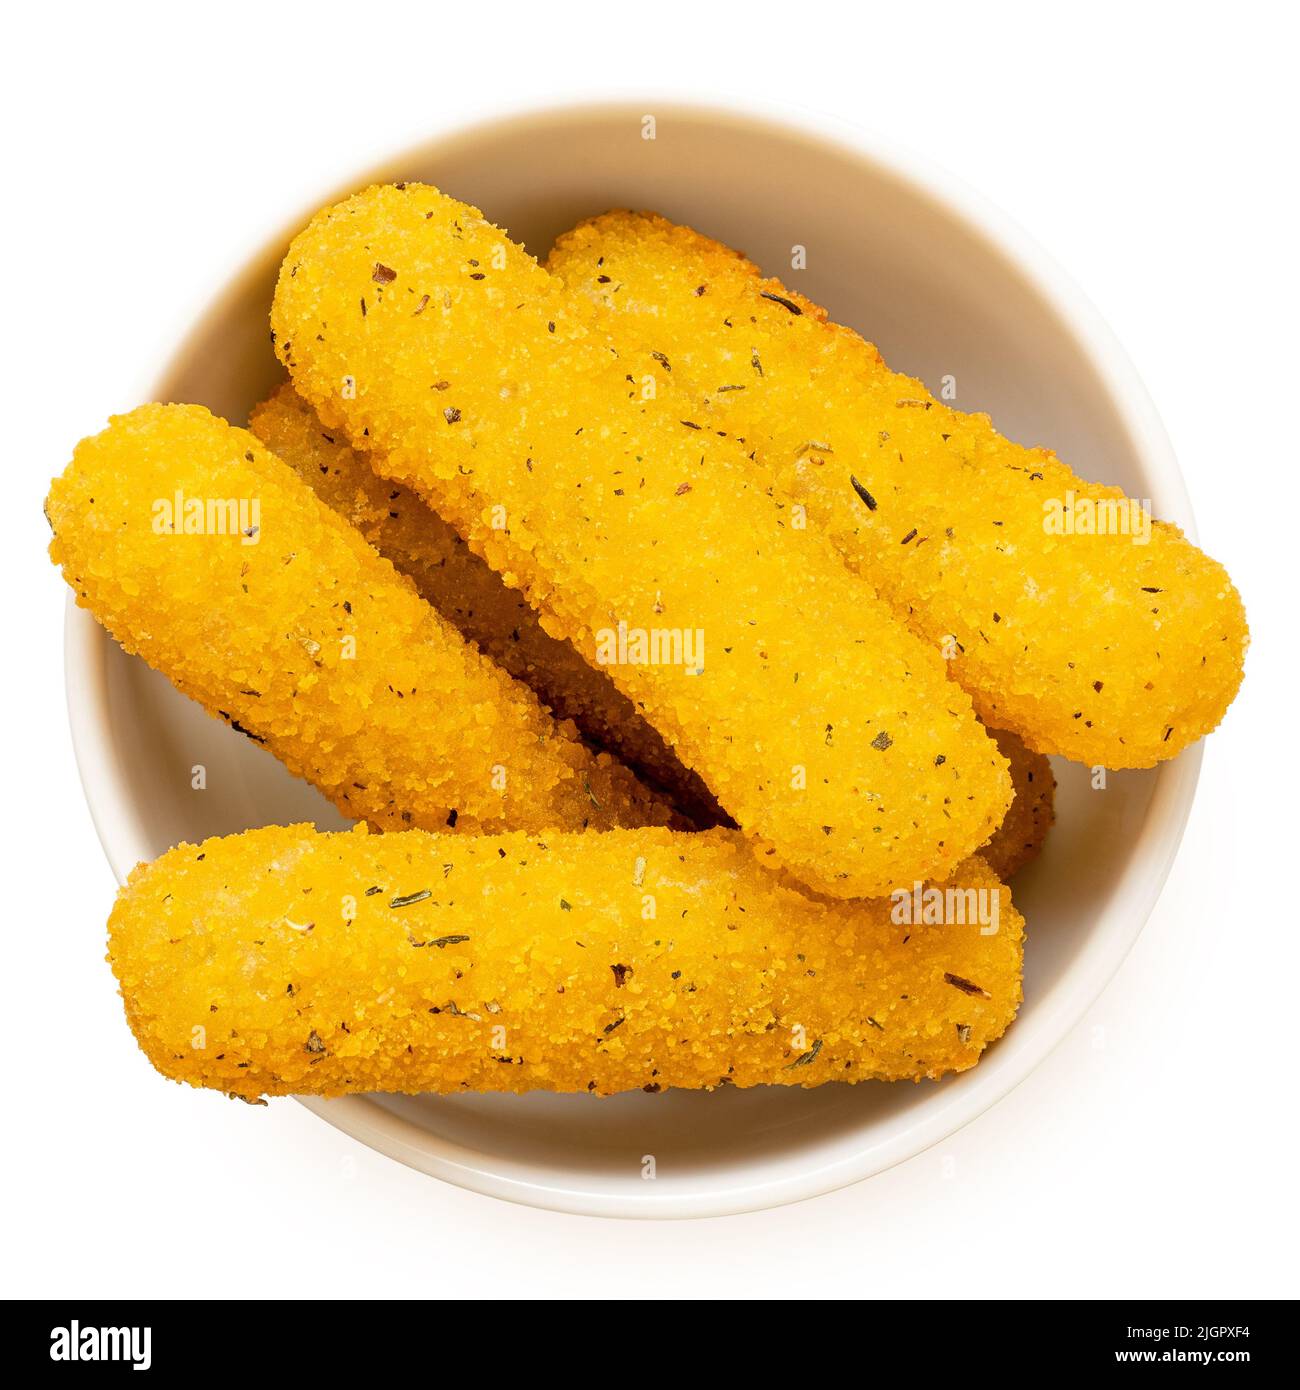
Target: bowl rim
{"points": [[87, 648]]}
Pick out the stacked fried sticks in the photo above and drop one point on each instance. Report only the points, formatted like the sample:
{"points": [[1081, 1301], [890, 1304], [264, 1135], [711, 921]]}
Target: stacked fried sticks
{"points": [[555, 569]]}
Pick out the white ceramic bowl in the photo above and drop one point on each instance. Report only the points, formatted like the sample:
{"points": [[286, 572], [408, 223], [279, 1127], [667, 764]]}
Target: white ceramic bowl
{"points": [[946, 287]]}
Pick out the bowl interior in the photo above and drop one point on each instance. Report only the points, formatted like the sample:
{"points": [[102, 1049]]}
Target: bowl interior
{"points": [[942, 297]]}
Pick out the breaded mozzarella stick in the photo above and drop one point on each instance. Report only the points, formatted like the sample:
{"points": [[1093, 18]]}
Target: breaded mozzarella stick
{"points": [[287, 962], [1070, 616], [204, 554], [827, 730], [1032, 812]]}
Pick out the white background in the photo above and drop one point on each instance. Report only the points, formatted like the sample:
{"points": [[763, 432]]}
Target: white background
{"points": [[149, 150]]}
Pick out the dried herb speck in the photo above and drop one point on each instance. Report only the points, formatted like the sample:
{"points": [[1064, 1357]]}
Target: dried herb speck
{"points": [[863, 493], [809, 1056], [966, 986], [410, 898], [783, 302]]}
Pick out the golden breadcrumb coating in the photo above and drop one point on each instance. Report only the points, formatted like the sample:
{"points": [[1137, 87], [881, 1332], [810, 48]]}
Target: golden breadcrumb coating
{"points": [[204, 554], [287, 962], [827, 730], [470, 595], [1105, 648], [1031, 814]]}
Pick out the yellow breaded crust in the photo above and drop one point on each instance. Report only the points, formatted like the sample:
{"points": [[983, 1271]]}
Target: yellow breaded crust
{"points": [[470, 595], [826, 729], [1088, 645], [306, 639], [1031, 814], [285, 961]]}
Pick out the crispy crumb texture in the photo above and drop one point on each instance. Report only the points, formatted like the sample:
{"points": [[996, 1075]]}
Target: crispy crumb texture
{"points": [[470, 595], [287, 962], [1031, 814], [204, 554], [1062, 622], [822, 725]]}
